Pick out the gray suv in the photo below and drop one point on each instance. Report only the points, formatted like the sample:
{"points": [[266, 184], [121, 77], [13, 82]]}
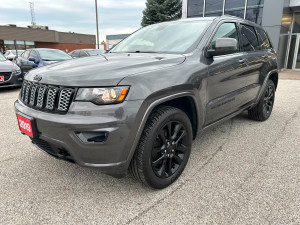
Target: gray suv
{"points": [[139, 106]]}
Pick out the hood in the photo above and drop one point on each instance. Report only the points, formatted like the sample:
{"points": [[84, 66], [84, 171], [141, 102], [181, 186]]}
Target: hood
{"points": [[6, 66], [104, 70]]}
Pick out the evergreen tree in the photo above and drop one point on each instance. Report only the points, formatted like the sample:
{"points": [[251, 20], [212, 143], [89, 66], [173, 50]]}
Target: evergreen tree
{"points": [[161, 10]]}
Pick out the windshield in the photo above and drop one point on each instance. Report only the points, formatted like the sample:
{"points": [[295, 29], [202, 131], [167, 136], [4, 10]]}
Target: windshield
{"points": [[171, 37], [94, 52], [54, 55], [2, 57]]}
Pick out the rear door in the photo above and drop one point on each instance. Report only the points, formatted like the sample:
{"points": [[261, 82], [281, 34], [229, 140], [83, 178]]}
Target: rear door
{"points": [[226, 77], [257, 61]]}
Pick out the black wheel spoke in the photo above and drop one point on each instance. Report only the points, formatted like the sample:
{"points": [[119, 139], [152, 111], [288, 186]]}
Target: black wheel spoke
{"points": [[163, 137], [169, 126], [158, 160], [176, 131], [180, 137], [177, 159], [181, 148], [162, 170]]}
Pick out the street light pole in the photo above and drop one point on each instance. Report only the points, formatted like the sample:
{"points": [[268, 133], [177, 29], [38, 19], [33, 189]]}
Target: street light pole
{"points": [[96, 6]]}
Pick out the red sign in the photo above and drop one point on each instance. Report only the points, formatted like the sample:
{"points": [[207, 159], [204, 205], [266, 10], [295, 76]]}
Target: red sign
{"points": [[25, 125], [2, 78]]}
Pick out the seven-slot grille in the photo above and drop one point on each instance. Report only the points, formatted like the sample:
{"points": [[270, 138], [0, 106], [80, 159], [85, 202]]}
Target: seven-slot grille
{"points": [[46, 97], [6, 75]]}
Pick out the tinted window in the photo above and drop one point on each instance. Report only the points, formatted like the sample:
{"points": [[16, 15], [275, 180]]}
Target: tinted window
{"points": [[226, 30], [195, 8], [34, 55], [82, 54], [263, 39], [249, 38], [94, 52], [75, 54], [213, 6]]}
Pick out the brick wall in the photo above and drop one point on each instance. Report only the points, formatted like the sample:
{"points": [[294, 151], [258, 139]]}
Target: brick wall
{"points": [[63, 46]]}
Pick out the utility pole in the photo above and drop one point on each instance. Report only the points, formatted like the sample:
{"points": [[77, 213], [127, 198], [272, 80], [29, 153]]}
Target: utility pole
{"points": [[96, 6]]}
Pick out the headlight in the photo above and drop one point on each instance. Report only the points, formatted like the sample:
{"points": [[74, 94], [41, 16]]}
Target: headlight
{"points": [[102, 96], [16, 71]]}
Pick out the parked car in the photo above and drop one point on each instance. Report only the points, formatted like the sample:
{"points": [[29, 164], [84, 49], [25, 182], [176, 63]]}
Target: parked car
{"points": [[10, 74], [39, 57], [86, 52], [140, 106], [13, 54]]}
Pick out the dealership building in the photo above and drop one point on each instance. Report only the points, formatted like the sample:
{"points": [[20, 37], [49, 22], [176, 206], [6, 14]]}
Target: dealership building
{"points": [[280, 18], [13, 37]]}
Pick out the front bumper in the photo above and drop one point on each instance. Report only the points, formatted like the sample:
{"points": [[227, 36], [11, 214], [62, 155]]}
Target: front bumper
{"points": [[14, 81], [59, 134]]}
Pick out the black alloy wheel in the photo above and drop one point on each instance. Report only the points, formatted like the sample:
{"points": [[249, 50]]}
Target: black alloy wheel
{"points": [[169, 149]]}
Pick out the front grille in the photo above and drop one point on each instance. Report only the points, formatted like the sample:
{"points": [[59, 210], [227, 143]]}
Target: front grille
{"points": [[6, 75], [46, 97]]}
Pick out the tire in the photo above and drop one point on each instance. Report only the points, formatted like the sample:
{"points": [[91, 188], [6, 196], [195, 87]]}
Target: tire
{"points": [[262, 111], [164, 148]]}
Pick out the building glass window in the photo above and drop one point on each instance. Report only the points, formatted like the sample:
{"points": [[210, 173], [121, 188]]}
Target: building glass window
{"points": [[238, 13], [9, 45], [234, 4], [20, 45], [214, 7], [255, 2], [286, 22], [296, 26], [195, 8], [30, 44], [255, 15]]}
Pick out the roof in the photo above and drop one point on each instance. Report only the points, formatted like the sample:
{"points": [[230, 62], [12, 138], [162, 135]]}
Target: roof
{"points": [[116, 36], [39, 35]]}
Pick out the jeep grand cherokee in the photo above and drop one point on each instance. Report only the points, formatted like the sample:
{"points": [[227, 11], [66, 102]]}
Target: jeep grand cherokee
{"points": [[139, 106]]}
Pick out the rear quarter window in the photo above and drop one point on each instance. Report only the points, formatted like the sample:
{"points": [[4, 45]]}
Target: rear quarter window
{"points": [[263, 39]]}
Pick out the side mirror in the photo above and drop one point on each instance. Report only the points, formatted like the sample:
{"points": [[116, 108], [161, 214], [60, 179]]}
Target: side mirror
{"points": [[224, 46], [31, 59]]}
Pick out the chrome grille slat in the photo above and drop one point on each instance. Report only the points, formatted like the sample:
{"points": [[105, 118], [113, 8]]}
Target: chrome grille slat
{"points": [[51, 96], [34, 88], [46, 98], [64, 99]]}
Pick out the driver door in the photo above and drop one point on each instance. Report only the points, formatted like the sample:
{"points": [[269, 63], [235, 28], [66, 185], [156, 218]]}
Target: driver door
{"points": [[226, 77]]}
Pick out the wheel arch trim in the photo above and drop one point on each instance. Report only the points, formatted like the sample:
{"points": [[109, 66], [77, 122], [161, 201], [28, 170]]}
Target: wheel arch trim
{"points": [[150, 109]]}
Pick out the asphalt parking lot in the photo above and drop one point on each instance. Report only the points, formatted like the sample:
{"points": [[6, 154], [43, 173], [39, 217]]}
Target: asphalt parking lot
{"points": [[240, 172]]}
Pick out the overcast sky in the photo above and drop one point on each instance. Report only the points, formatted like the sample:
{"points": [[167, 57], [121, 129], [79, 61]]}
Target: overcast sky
{"points": [[115, 16]]}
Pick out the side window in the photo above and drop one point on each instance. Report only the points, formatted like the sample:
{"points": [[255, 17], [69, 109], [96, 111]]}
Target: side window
{"points": [[249, 38], [25, 55], [226, 30], [34, 55], [83, 54], [7, 53], [263, 39], [75, 54]]}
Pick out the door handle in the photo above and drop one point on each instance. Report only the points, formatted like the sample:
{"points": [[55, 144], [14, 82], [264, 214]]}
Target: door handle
{"points": [[241, 61]]}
